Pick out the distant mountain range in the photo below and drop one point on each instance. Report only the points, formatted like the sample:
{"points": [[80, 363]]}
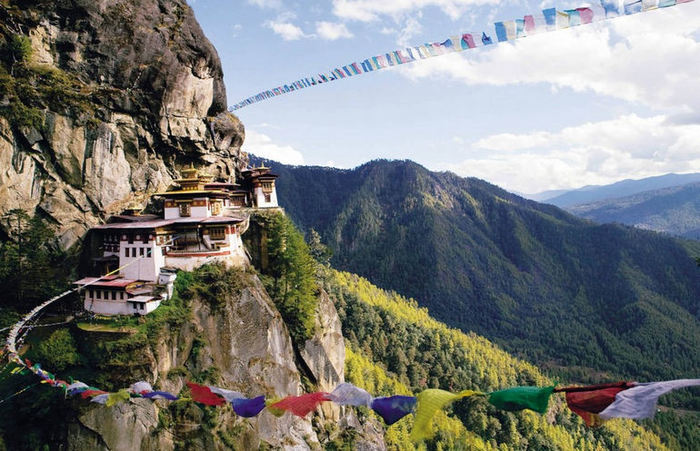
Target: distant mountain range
{"points": [[586, 299], [595, 193], [674, 210]]}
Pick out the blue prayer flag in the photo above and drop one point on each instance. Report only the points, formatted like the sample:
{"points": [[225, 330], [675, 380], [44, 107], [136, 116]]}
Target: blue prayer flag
{"points": [[501, 32], [612, 7], [393, 408], [550, 16], [486, 39], [633, 6], [248, 407]]}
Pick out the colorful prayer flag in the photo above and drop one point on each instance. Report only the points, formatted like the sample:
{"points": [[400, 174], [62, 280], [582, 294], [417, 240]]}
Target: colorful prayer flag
{"points": [[160, 395], [347, 394], [501, 31], [529, 24], [248, 408], [301, 405], [550, 17], [640, 401], [519, 398], [117, 398], [467, 41], [632, 6], [203, 395], [100, 399], [586, 15], [429, 402], [228, 395], [393, 408], [588, 402], [140, 387]]}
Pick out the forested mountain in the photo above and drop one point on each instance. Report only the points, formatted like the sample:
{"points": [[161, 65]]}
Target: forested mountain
{"points": [[674, 210], [396, 347], [623, 188], [593, 301]]}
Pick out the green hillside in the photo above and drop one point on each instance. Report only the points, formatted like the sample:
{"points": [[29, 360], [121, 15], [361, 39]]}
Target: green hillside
{"points": [[590, 301], [394, 347]]}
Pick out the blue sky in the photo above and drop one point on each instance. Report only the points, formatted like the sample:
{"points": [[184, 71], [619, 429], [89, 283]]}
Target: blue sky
{"points": [[588, 105]]}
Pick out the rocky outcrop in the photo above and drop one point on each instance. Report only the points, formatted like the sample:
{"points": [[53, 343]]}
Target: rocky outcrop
{"points": [[155, 100], [324, 353], [239, 343]]}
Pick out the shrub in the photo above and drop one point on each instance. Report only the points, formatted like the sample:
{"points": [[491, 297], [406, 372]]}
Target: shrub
{"points": [[58, 352]]}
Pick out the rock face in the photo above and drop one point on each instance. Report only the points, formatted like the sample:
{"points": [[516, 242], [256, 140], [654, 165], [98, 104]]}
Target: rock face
{"points": [[157, 98], [244, 344], [324, 353]]}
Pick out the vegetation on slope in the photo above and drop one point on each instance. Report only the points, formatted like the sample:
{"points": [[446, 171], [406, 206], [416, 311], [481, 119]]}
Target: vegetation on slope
{"points": [[32, 266], [591, 302], [381, 327], [26, 88], [290, 276]]}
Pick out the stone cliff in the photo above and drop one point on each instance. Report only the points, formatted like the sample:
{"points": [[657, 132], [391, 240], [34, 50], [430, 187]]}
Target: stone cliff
{"points": [[110, 100], [238, 342], [101, 102]]}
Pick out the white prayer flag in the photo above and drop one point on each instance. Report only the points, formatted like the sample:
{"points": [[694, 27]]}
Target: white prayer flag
{"points": [[640, 401]]}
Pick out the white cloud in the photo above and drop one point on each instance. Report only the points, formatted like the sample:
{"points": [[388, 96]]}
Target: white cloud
{"points": [[286, 30], [651, 58], [262, 146], [592, 153], [332, 30], [274, 4], [369, 10], [411, 28]]}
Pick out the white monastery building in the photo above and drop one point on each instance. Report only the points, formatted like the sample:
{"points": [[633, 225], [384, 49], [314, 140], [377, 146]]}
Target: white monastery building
{"points": [[202, 223]]}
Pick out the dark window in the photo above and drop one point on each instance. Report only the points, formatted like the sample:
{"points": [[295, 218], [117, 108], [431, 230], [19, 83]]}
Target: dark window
{"points": [[99, 294], [114, 295], [141, 306], [92, 293], [267, 197], [184, 209], [141, 251], [148, 252]]}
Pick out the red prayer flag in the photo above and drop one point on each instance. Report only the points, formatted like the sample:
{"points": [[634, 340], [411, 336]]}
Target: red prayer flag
{"points": [[203, 395], [586, 15], [302, 405], [90, 393], [589, 401]]}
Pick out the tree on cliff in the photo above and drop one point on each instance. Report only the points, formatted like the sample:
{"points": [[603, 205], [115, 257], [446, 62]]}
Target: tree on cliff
{"points": [[292, 269], [30, 264]]}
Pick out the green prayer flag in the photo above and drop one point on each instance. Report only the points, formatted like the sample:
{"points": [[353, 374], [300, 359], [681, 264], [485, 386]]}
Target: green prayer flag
{"points": [[519, 398]]}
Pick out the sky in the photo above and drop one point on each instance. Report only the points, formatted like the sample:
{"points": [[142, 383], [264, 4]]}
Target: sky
{"points": [[588, 105]]}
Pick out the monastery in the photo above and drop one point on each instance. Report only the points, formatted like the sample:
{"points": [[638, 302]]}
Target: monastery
{"points": [[202, 222]]}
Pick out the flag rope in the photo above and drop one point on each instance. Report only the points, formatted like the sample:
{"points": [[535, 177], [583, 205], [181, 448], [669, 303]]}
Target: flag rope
{"points": [[549, 20]]}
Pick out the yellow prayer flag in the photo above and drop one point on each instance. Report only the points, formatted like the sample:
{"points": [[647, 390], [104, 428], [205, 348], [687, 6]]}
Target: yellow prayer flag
{"points": [[118, 397], [429, 402]]}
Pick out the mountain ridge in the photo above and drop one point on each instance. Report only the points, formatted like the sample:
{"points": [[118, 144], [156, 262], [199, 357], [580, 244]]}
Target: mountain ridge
{"points": [[674, 210], [518, 271], [622, 188]]}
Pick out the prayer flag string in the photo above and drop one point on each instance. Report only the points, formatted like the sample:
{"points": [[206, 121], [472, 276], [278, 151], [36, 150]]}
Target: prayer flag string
{"points": [[594, 403], [550, 19]]}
